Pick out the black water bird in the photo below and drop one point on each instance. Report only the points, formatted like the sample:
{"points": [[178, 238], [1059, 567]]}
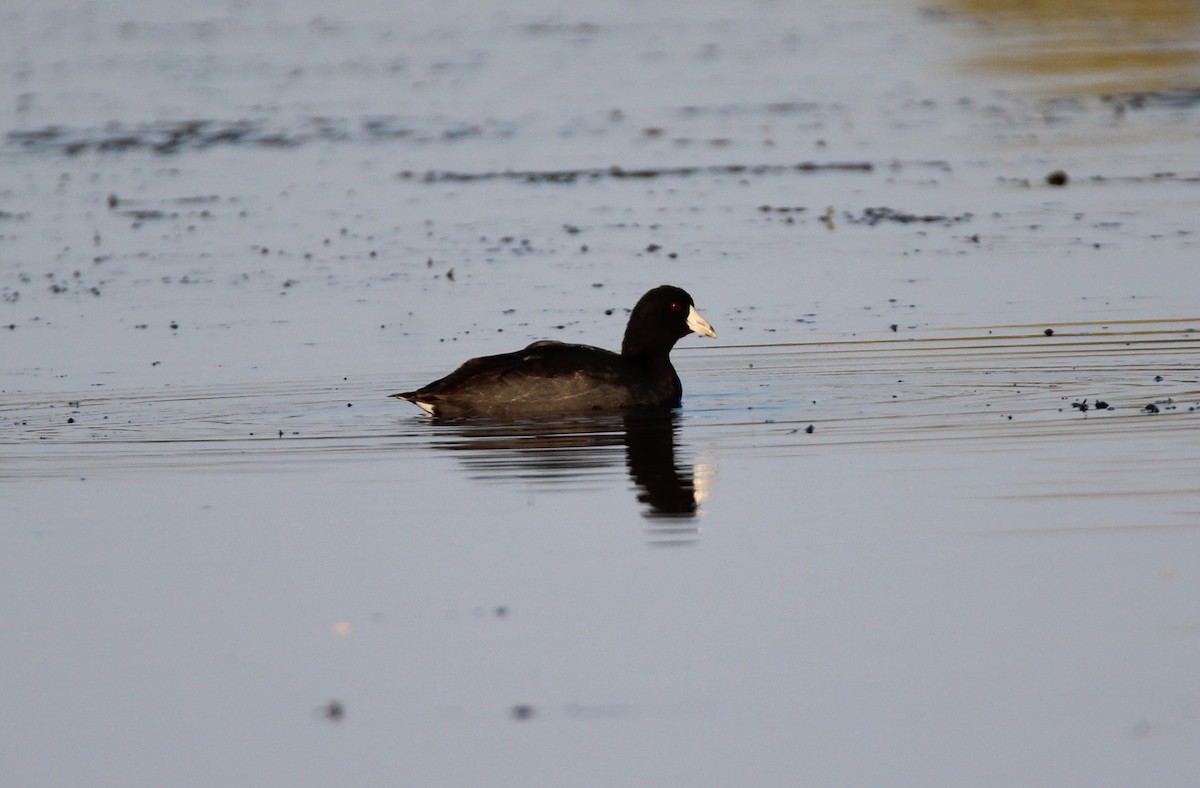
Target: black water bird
{"points": [[549, 378]]}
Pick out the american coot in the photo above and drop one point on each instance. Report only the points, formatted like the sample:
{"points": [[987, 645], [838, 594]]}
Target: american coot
{"points": [[554, 377]]}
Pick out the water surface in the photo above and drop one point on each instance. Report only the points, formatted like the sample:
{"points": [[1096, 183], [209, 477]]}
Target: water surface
{"points": [[928, 514]]}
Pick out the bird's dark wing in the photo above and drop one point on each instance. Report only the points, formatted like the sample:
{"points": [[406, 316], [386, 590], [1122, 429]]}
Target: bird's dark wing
{"points": [[545, 376]]}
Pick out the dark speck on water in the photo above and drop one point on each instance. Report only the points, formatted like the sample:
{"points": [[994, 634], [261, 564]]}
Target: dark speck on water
{"points": [[334, 711]]}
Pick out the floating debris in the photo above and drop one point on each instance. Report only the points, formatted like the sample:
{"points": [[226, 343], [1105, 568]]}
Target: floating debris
{"points": [[170, 137], [620, 173], [873, 216], [1184, 98]]}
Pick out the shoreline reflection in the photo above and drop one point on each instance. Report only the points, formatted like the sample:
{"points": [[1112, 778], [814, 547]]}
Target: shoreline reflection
{"points": [[1087, 46], [576, 453]]}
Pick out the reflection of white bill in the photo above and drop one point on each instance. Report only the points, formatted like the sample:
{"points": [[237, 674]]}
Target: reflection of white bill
{"points": [[666, 529], [704, 475]]}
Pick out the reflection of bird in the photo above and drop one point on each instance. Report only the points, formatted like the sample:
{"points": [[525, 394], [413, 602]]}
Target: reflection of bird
{"points": [[578, 453], [668, 489], [555, 377]]}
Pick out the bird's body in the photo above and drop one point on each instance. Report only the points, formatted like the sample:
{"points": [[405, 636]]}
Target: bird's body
{"points": [[550, 377]]}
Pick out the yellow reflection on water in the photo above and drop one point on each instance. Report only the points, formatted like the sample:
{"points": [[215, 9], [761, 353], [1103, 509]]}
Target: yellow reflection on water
{"points": [[1093, 46]]}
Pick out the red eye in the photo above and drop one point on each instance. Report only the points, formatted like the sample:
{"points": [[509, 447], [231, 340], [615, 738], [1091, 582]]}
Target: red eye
{"points": [[676, 306]]}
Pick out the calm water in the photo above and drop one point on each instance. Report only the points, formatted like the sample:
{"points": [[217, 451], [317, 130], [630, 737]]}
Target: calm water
{"points": [[883, 542]]}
